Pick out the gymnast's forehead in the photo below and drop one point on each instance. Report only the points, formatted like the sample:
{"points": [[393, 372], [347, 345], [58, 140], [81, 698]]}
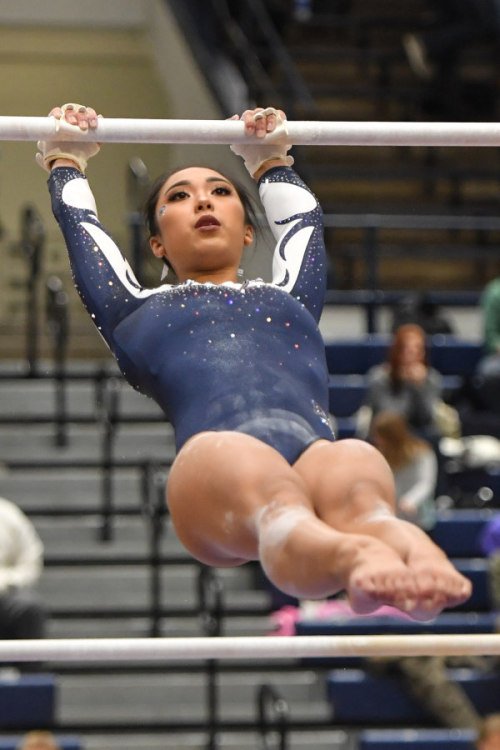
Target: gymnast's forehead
{"points": [[194, 174]]}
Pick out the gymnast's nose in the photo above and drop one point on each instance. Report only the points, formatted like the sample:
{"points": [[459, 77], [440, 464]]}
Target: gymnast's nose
{"points": [[203, 203]]}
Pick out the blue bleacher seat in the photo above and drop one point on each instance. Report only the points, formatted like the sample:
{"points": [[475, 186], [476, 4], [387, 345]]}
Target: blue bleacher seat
{"points": [[27, 701], [476, 570], [417, 739], [345, 428], [356, 356], [64, 742], [447, 622], [448, 354], [457, 531], [357, 697], [361, 698], [452, 356], [346, 393]]}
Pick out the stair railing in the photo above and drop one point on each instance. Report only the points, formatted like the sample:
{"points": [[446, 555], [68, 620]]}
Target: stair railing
{"points": [[32, 242], [57, 316], [273, 718], [108, 410], [154, 509], [210, 593]]}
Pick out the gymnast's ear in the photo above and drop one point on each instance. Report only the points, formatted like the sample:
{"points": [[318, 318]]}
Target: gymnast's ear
{"points": [[157, 246], [248, 235]]}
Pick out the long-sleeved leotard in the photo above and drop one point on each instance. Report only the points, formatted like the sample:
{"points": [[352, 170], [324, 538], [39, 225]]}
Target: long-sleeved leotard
{"points": [[246, 357]]}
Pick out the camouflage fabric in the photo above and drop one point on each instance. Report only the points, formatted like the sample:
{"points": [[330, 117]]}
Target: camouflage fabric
{"points": [[426, 679]]}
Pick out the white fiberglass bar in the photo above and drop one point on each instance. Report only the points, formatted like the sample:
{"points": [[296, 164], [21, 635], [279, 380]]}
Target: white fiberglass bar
{"points": [[305, 133], [246, 647]]}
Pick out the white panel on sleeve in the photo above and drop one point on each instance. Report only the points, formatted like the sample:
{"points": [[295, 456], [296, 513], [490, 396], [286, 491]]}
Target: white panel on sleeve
{"points": [[116, 260], [77, 193], [282, 200]]}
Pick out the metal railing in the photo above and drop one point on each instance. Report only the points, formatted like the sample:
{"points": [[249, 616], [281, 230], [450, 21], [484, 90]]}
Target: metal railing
{"points": [[249, 38]]}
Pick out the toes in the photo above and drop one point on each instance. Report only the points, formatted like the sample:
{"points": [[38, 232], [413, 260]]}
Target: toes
{"points": [[441, 588], [368, 593]]}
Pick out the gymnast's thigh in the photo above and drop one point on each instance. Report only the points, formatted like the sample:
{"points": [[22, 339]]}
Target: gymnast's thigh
{"points": [[218, 484], [346, 479]]}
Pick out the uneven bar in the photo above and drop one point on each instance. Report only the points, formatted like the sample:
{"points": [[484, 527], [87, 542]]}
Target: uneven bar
{"points": [[301, 133], [246, 647]]}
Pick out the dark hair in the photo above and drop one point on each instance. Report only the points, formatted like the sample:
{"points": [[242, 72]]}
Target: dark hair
{"points": [[152, 199]]}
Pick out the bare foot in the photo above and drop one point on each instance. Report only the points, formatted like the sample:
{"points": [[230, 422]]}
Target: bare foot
{"points": [[422, 587], [439, 584], [378, 576]]}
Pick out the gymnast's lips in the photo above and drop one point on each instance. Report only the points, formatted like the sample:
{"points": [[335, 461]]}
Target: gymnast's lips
{"points": [[207, 221]]}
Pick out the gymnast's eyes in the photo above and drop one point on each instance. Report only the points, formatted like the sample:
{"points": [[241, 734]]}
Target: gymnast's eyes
{"points": [[178, 195], [222, 190]]}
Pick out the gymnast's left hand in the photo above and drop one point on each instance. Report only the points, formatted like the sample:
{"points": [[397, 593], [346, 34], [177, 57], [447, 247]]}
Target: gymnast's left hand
{"points": [[68, 153], [269, 125]]}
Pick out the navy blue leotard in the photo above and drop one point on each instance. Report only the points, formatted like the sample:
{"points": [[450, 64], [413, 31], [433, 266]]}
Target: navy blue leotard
{"points": [[246, 357]]}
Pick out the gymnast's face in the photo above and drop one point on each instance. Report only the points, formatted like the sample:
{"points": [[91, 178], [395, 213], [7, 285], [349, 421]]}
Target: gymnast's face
{"points": [[201, 225]]}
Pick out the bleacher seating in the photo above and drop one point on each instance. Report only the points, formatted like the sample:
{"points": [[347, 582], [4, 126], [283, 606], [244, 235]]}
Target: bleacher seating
{"points": [[349, 360], [347, 393], [457, 531], [355, 356], [448, 623], [361, 698], [64, 742], [27, 701], [476, 570], [448, 354], [417, 739], [454, 356]]}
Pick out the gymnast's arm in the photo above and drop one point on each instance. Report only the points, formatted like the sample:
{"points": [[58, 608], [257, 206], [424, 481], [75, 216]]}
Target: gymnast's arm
{"points": [[296, 221], [103, 277], [293, 212]]}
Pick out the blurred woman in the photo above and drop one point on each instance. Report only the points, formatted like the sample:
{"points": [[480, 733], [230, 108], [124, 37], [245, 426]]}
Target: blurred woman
{"points": [[405, 383], [414, 465]]}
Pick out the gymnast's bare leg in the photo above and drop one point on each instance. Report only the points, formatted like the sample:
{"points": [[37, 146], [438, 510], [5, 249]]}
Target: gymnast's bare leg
{"points": [[323, 525]]}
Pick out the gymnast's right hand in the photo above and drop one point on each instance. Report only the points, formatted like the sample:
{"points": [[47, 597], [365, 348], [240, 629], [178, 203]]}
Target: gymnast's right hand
{"points": [[71, 117]]}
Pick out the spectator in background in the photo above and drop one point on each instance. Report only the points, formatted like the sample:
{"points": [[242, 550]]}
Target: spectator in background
{"points": [[404, 384], [457, 25], [414, 465], [22, 614], [488, 371], [435, 54], [418, 308], [39, 740]]}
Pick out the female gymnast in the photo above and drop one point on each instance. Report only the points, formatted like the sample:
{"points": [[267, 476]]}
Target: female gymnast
{"points": [[239, 368]]}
